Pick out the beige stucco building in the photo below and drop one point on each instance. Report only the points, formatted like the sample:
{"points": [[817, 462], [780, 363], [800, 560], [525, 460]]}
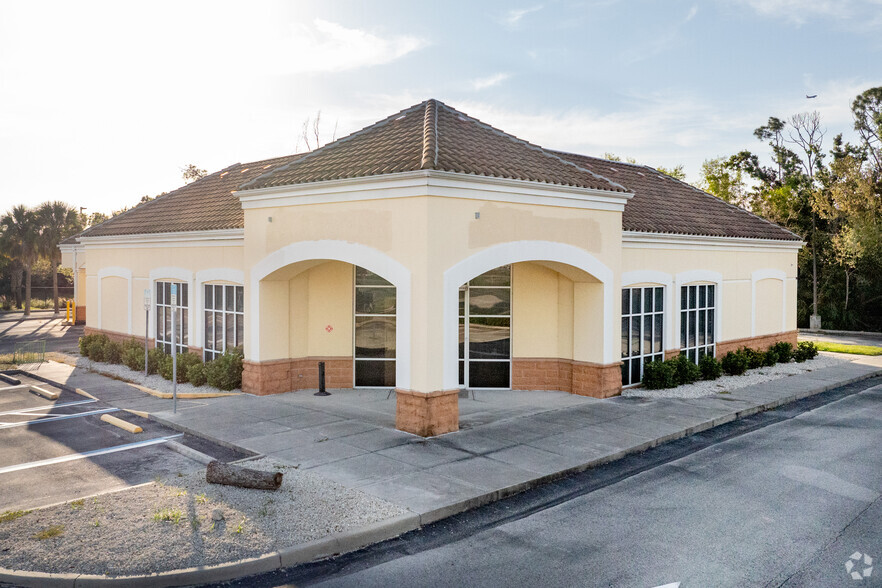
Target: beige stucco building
{"points": [[430, 252]]}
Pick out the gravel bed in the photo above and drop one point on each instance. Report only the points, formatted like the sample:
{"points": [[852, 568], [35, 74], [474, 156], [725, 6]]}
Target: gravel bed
{"points": [[729, 383], [123, 533], [153, 381]]}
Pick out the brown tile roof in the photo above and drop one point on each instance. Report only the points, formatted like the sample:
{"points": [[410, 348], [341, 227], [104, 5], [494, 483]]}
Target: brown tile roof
{"points": [[203, 205], [431, 135], [662, 204]]}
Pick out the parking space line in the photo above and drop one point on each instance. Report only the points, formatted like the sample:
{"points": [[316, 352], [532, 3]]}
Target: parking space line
{"points": [[87, 454], [24, 411], [62, 417]]}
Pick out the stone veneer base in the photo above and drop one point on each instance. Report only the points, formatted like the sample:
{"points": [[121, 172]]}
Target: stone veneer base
{"points": [[567, 375], [761, 342], [427, 414], [284, 375]]}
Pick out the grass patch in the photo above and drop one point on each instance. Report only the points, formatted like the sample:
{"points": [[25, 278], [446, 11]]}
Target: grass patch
{"points": [[171, 515], [77, 504], [842, 348], [11, 515], [6, 362], [49, 532]]}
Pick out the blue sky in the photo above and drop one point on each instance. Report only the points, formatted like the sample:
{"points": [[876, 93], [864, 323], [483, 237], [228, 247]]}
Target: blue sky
{"points": [[103, 102]]}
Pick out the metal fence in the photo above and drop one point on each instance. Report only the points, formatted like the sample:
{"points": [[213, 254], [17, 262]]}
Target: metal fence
{"points": [[29, 353]]}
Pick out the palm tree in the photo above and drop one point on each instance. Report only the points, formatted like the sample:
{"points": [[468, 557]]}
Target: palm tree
{"points": [[19, 234], [57, 221]]}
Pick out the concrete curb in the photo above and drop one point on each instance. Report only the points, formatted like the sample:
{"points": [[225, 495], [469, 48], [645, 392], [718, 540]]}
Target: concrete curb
{"points": [[193, 454], [383, 530]]}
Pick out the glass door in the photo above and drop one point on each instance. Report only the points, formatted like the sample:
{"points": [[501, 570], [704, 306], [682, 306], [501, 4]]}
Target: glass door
{"points": [[485, 330]]}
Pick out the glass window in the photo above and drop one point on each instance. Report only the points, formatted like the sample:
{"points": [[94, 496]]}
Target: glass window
{"points": [[642, 330], [697, 321], [224, 319], [375, 330], [485, 346], [164, 317]]}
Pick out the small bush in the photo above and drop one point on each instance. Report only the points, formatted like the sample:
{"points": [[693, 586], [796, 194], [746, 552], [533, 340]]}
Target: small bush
{"points": [[770, 358], [185, 360], [809, 349], [113, 352], [225, 372], [685, 372], [710, 368], [133, 358], [84, 343], [154, 359], [659, 374], [755, 357], [196, 374], [95, 351], [735, 363], [784, 351]]}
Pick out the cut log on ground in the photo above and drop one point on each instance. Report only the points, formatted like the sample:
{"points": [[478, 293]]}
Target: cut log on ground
{"points": [[231, 475]]}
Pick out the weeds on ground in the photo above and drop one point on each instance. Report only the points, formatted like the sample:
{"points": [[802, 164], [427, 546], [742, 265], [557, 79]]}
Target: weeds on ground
{"points": [[96, 523], [6, 362], [11, 515], [171, 515], [202, 498], [240, 527], [195, 523], [49, 532], [77, 504]]}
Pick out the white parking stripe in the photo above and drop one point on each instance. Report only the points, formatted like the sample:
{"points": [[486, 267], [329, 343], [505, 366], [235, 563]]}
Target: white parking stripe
{"points": [[62, 417], [24, 411], [87, 454]]}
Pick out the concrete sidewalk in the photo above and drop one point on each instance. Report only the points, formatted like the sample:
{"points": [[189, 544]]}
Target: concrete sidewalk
{"points": [[510, 440]]}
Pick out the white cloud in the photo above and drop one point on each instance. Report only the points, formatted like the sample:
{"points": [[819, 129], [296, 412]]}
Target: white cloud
{"points": [[514, 16], [692, 12], [862, 12], [490, 81]]}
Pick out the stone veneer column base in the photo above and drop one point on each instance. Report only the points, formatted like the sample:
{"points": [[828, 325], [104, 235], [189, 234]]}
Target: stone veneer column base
{"points": [[566, 375], [427, 414], [284, 375], [761, 342], [80, 315]]}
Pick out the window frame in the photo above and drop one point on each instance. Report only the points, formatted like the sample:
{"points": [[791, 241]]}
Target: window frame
{"points": [[710, 310], [356, 315], [161, 309], [642, 356], [208, 318], [464, 358]]}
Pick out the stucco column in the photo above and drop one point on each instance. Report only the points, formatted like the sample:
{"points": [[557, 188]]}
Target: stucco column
{"points": [[427, 407], [594, 372]]}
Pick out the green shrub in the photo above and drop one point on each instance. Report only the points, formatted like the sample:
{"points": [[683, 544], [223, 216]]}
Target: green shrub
{"points": [[225, 372], [113, 352], [710, 368], [185, 360], [809, 349], [154, 359], [133, 358], [685, 372], [784, 351], [95, 351], [84, 343], [659, 374], [196, 374], [755, 357], [735, 363], [770, 358]]}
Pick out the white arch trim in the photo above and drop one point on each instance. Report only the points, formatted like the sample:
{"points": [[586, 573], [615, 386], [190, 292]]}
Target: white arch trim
{"points": [[515, 252], [217, 274], [356, 254], [666, 280], [705, 276], [116, 272], [177, 274], [767, 274]]}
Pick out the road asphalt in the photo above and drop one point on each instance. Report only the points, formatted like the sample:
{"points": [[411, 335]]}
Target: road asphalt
{"points": [[514, 442]]}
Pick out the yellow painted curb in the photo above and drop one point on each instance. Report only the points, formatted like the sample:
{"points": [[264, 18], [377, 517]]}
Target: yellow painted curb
{"points": [[82, 392], [112, 420], [47, 394], [184, 395]]}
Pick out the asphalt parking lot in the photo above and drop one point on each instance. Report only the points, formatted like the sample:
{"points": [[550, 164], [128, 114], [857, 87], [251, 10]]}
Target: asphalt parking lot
{"points": [[60, 450]]}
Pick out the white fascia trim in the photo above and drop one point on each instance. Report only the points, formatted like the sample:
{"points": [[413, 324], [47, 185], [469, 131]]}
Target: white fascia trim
{"points": [[768, 274], [644, 240], [355, 254], [515, 252], [667, 281], [701, 277], [116, 272], [433, 183], [171, 274], [223, 237], [218, 274]]}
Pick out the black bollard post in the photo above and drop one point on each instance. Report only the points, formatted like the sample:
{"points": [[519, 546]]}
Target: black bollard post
{"points": [[322, 391]]}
